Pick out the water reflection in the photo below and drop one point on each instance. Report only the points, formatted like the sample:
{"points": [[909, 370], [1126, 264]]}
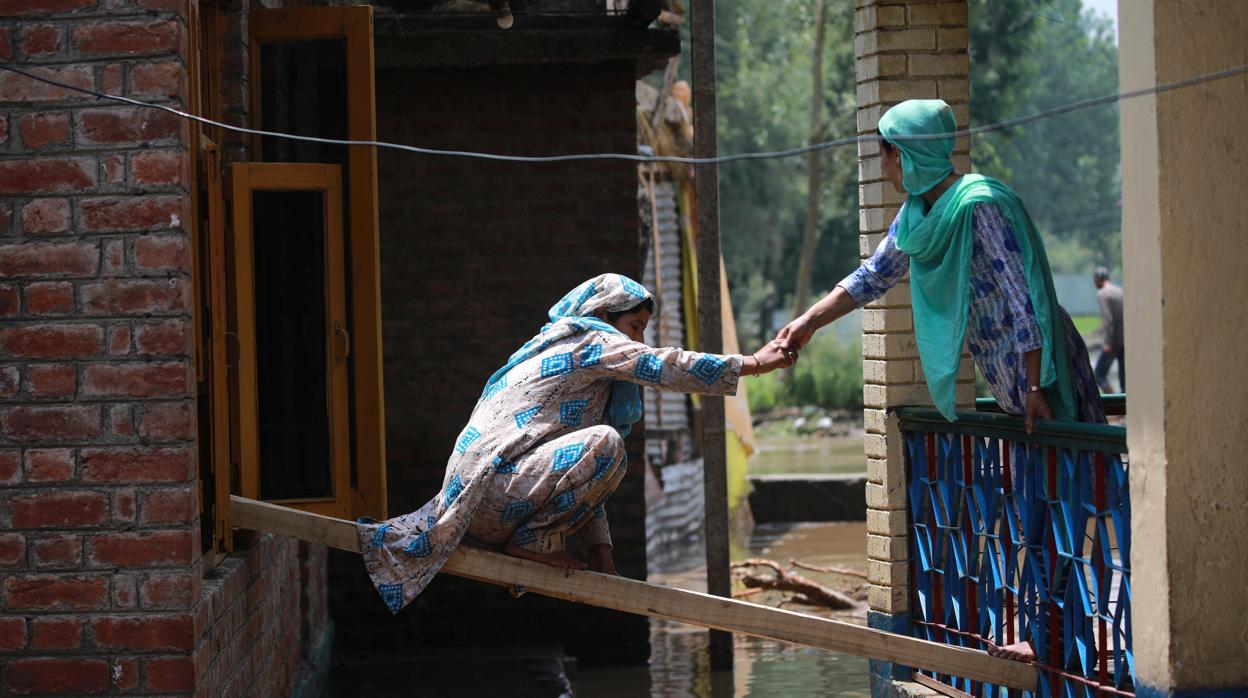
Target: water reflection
{"points": [[679, 664], [787, 455], [679, 668]]}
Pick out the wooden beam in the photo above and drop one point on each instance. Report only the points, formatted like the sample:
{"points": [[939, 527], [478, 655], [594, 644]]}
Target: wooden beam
{"points": [[710, 329], [632, 596], [943, 689], [284, 521]]}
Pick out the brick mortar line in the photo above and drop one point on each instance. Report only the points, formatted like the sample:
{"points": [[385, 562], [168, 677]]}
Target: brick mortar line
{"points": [[122, 12], [101, 61], [83, 152], [49, 278]]}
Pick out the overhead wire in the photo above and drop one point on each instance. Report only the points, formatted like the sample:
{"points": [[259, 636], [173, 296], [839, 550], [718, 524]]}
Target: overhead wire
{"points": [[632, 157]]}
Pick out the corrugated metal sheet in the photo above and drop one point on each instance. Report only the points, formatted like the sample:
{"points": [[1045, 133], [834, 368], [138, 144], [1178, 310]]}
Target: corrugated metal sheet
{"points": [[666, 410], [674, 521]]}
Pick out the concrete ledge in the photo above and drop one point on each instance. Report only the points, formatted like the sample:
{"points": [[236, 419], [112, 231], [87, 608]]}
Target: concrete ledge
{"points": [[889, 680], [786, 498]]}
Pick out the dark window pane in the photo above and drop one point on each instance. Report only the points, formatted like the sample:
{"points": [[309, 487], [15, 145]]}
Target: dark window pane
{"points": [[303, 90], [291, 365]]}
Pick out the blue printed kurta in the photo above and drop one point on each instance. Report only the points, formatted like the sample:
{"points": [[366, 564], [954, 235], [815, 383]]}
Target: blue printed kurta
{"points": [[536, 460], [1001, 324]]}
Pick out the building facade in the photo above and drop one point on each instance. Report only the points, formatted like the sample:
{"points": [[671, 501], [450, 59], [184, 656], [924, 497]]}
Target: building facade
{"points": [[190, 312]]}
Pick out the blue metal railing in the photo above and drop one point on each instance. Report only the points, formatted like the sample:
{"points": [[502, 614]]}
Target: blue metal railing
{"points": [[1018, 537]]}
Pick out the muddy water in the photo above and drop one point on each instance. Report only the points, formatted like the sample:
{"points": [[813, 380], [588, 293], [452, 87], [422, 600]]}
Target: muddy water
{"points": [[786, 455], [679, 666]]}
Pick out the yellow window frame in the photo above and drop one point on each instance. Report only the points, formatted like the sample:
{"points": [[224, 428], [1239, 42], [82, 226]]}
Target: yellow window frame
{"points": [[208, 277], [354, 24], [244, 179]]}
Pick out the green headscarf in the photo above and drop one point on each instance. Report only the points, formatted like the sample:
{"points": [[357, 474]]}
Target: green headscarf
{"points": [[924, 163], [939, 242]]}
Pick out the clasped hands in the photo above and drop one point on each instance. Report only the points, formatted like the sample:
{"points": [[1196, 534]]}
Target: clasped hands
{"points": [[782, 352], [771, 357]]}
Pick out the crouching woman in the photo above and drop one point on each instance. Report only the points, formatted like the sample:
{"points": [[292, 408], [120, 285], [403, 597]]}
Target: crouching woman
{"points": [[544, 446]]}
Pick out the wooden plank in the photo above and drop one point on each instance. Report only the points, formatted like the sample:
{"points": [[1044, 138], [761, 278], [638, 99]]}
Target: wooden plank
{"points": [[943, 689], [710, 329], [284, 521], [632, 596]]}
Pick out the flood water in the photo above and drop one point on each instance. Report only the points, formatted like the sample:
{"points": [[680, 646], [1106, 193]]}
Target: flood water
{"points": [[679, 666], [787, 455]]}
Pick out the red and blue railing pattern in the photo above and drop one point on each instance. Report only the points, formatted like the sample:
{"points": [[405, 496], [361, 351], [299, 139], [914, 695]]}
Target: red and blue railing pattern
{"points": [[1023, 537]]}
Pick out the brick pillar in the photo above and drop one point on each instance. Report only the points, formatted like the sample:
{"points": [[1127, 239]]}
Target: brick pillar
{"points": [[99, 552], [904, 50]]}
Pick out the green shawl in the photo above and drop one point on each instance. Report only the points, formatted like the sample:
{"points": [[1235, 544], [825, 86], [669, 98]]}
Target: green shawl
{"points": [[939, 243]]}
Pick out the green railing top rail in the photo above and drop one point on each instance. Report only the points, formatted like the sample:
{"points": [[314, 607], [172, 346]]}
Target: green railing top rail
{"points": [[1078, 435], [1114, 403]]}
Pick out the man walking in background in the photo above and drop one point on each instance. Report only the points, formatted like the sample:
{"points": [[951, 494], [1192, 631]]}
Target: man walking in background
{"points": [[1109, 297]]}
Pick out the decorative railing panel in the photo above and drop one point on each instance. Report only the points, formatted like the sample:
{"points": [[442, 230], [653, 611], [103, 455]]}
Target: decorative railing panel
{"points": [[1018, 537]]}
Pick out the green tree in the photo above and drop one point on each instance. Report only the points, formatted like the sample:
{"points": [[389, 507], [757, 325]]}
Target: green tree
{"points": [[765, 53], [1002, 34], [1028, 56]]}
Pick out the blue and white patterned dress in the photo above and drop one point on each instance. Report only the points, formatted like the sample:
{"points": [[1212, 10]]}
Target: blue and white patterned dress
{"points": [[1001, 324], [538, 457]]}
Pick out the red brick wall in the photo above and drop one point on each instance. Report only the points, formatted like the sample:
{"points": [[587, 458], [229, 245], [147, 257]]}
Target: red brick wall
{"points": [[261, 619], [102, 586], [473, 255]]}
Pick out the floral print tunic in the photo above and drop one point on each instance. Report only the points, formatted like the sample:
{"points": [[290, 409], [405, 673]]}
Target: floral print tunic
{"points": [[1001, 323]]}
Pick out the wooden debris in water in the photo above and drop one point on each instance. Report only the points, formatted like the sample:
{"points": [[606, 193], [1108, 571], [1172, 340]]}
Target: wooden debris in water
{"points": [[815, 593], [832, 569]]}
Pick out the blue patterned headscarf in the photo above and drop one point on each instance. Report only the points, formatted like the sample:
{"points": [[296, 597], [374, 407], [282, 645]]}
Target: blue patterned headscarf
{"points": [[573, 315]]}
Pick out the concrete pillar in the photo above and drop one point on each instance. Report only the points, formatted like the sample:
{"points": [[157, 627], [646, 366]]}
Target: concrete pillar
{"points": [[1184, 248], [904, 50]]}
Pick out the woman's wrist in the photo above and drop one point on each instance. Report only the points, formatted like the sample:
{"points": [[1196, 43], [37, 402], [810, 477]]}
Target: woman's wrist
{"points": [[813, 318]]}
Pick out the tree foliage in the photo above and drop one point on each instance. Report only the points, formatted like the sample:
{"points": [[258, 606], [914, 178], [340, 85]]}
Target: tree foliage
{"points": [[764, 53], [1029, 56]]}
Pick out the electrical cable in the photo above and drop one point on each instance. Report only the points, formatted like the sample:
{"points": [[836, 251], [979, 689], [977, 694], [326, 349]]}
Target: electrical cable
{"points": [[765, 155]]}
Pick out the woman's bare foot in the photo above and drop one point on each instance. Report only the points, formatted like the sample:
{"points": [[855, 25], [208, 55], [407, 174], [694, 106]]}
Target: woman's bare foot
{"points": [[1019, 652], [561, 559]]}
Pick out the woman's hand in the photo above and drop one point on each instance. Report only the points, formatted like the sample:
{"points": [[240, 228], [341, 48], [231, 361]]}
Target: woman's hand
{"points": [[772, 357], [600, 559], [796, 334], [1037, 407]]}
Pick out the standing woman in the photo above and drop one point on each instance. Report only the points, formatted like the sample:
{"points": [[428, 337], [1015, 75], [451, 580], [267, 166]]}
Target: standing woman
{"points": [[979, 277], [544, 446]]}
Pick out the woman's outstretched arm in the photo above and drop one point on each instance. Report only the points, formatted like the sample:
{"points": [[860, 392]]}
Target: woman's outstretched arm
{"points": [[797, 333], [877, 274], [671, 368]]}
